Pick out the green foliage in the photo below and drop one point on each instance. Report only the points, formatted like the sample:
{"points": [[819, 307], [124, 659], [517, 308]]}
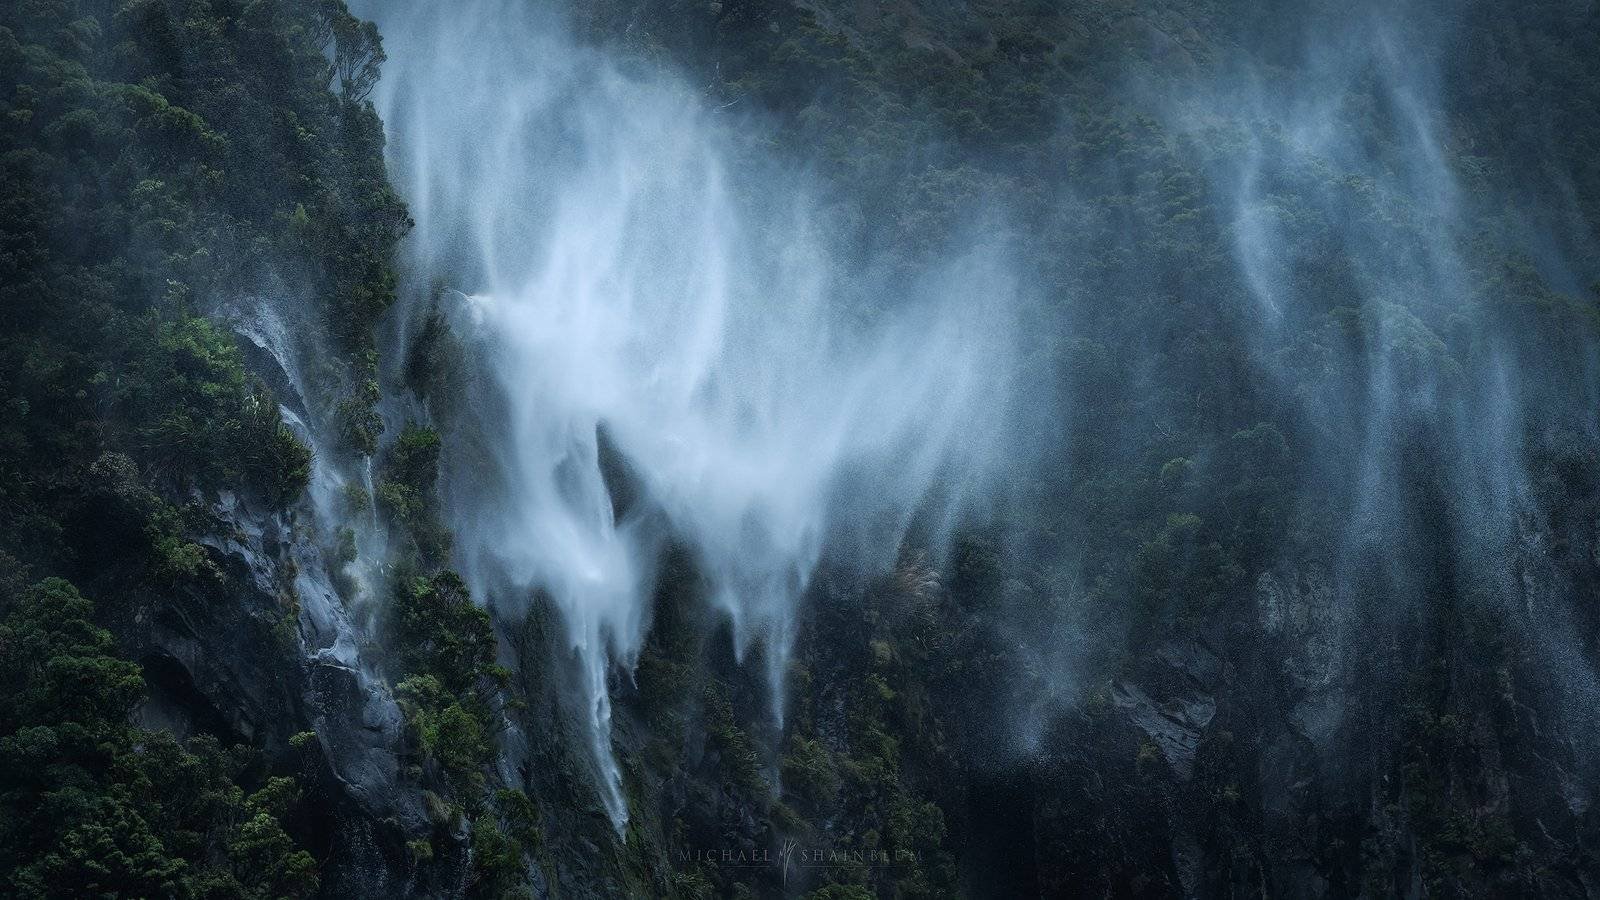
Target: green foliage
{"points": [[406, 490], [498, 870], [261, 849], [440, 632], [159, 161], [840, 892], [353, 47], [421, 850], [93, 806], [521, 816], [407, 496], [358, 419], [452, 687], [446, 732], [741, 764], [357, 502], [144, 186], [505, 838], [810, 774], [59, 667]]}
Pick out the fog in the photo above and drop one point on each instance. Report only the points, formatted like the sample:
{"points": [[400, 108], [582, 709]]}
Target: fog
{"points": [[1358, 227]]}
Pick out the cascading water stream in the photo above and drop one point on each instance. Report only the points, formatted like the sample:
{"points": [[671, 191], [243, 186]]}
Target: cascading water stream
{"points": [[619, 286], [264, 322]]}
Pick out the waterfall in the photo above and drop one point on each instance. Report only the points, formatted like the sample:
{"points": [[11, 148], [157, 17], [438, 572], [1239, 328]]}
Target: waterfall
{"points": [[620, 287], [269, 323], [1335, 198]]}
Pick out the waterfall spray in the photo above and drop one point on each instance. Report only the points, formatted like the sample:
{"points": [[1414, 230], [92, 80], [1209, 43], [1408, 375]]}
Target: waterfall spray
{"points": [[617, 279]]}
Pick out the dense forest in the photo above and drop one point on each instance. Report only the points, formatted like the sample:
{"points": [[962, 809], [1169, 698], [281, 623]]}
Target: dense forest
{"points": [[769, 448]]}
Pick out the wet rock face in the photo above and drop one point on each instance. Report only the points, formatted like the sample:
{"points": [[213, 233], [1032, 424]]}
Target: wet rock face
{"points": [[219, 649], [359, 728], [247, 655], [1299, 609], [1244, 760], [1172, 700], [311, 655], [1284, 756]]}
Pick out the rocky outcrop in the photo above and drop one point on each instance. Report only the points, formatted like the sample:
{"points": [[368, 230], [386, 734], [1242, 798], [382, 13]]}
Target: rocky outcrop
{"points": [[258, 651], [1172, 699]]}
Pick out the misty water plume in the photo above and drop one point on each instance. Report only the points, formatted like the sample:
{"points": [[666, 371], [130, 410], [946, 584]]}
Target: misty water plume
{"points": [[1361, 234], [625, 297]]}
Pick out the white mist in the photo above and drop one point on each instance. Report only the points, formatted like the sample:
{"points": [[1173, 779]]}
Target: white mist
{"points": [[618, 274]]}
